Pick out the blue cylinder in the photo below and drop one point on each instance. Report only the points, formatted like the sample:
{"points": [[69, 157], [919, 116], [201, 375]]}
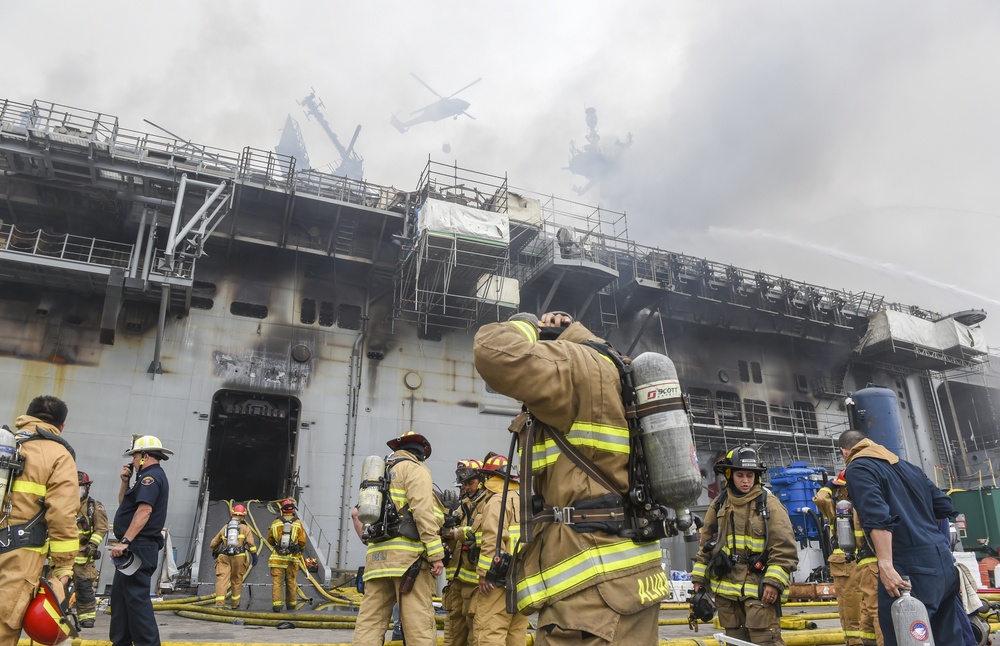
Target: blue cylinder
{"points": [[876, 414], [795, 487]]}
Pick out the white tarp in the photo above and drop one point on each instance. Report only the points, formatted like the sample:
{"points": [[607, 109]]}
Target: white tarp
{"points": [[945, 334], [447, 217], [498, 290], [526, 210]]}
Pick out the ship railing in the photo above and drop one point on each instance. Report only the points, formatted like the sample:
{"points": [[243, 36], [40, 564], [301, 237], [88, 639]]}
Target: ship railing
{"points": [[169, 152], [53, 122], [727, 410], [452, 183], [267, 169], [344, 189], [322, 545], [15, 119], [92, 251]]}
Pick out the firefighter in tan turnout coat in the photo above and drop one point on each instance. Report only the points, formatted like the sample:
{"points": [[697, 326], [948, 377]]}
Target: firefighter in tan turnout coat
{"points": [[92, 524], [588, 584], [47, 490], [287, 539], [464, 545], [747, 552], [233, 555], [410, 557]]}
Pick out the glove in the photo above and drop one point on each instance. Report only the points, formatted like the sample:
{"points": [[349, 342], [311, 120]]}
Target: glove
{"points": [[253, 559], [215, 553], [88, 550]]}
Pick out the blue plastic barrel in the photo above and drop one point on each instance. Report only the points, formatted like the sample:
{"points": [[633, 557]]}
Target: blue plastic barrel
{"points": [[795, 487], [876, 413]]}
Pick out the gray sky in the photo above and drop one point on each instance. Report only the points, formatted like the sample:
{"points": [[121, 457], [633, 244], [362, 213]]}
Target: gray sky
{"points": [[845, 143]]}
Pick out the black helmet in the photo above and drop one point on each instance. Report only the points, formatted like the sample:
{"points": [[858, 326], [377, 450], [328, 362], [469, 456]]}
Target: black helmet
{"points": [[742, 459], [702, 607]]}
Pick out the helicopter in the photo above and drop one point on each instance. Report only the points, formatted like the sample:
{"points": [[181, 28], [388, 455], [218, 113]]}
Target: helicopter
{"points": [[444, 107]]}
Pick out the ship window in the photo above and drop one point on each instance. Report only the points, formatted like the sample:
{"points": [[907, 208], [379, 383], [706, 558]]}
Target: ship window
{"points": [[702, 405], [801, 383], [756, 413], [326, 313], [204, 287], [805, 418], [781, 418], [251, 310], [349, 317], [202, 303], [728, 406], [744, 371], [755, 369], [308, 313]]}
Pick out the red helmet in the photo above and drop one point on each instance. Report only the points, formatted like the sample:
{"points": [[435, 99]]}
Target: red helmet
{"points": [[497, 465], [288, 505], [841, 479], [240, 510], [82, 478], [46, 621], [411, 437]]}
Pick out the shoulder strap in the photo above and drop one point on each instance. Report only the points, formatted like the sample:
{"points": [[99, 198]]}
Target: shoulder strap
{"points": [[582, 462], [41, 434]]}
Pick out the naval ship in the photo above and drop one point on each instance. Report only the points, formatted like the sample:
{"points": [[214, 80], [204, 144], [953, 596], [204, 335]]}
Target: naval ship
{"points": [[274, 325]]}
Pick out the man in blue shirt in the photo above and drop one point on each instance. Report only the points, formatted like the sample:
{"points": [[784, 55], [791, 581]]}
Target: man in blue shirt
{"points": [[899, 508], [142, 513]]}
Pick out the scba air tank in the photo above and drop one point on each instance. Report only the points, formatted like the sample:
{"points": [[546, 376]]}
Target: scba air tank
{"points": [[876, 414], [674, 474], [233, 533], [910, 621], [370, 497], [8, 449], [845, 526]]}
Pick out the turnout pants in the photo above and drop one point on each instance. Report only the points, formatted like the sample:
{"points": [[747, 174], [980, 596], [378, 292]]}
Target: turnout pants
{"points": [[751, 620], [132, 620], [493, 625], [19, 572], [457, 628], [871, 631], [585, 618], [845, 579], [283, 579], [85, 580], [935, 582], [229, 573], [416, 611]]}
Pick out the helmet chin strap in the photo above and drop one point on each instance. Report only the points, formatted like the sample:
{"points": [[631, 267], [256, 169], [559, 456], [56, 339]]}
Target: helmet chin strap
{"points": [[142, 460]]}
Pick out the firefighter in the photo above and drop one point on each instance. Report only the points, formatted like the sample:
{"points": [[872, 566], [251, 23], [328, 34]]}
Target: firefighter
{"points": [[586, 581], [287, 539], [42, 492], [494, 626], [234, 550], [92, 524], [461, 570], [404, 559], [747, 552]]}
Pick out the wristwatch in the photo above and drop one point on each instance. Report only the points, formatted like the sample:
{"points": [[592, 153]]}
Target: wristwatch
{"points": [[125, 541]]}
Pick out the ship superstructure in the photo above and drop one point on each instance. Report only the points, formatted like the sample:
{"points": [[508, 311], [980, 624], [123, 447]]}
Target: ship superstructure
{"points": [[274, 325]]}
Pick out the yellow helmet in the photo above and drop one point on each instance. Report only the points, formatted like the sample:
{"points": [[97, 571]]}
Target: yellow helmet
{"points": [[149, 444]]}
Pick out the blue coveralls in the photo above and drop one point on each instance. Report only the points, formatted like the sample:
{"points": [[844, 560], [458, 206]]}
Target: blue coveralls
{"points": [[132, 620], [900, 499]]}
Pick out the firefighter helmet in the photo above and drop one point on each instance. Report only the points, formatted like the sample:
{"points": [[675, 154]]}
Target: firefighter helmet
{"points": [[410, 437], [742, 459], [497, 465], [288, 505], [82, 478], [149, 444], [467, 470], [841, 479], [239, 510], [46, 620]]}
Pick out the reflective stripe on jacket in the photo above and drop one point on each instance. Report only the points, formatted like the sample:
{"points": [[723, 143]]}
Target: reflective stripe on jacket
{"points": [[298, 537], [97, 528]]}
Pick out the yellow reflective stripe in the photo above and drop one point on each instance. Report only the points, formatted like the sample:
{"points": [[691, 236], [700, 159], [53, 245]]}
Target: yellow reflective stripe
{"points": [[83, 616], [23, 486], [544, 453], [866, 561], [777, 573], [739, 590], [434, 547], [96, 538], [743, 542], [864, 635], [64, 546], [380, 574], [838, 551], [699, 570], [613, 439], [465, 576], [485, 560], [397, 543], [582, 567], [529, 331], [81, 560], [53, 611]]}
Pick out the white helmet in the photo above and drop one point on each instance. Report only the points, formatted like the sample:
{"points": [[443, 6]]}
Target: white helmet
{"points": [[148, 444]]}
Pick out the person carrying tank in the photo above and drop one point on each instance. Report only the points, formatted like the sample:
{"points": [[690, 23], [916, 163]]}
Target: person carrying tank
{"points": [[494, 626], [853, 567], [44, 504], [404, 557], [92, 525], [234, 549], [287, 539], [461, 540], [747, 552], [588, 583]]}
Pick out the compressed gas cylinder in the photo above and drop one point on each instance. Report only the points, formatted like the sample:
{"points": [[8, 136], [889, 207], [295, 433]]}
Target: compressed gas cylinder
{"points": [[671, 461], [8, 449], [286, 535], [370, 497], [845, 526], [910, 621], [233, 533]]}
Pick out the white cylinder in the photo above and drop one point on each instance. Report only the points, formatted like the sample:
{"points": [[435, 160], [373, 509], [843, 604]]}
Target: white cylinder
{"points": [[671, 460], [370, 496], [845, 526], [286, 535], [8, 449], [910, 622], [233, 533]]}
